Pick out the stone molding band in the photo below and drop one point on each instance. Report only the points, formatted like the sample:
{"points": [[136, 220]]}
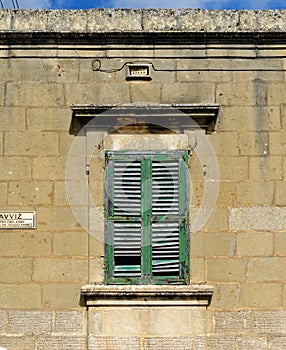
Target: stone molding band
{"points": [[152, 295]]}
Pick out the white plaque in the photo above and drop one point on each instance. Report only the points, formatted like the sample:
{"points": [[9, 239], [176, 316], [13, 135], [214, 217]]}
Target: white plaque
{"points": [[17, 219]]}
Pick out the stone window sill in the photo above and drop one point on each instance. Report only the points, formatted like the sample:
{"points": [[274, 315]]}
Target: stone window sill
{"points": [[147, 295]]}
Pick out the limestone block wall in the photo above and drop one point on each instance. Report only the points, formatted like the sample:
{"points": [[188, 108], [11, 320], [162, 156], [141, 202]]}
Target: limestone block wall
{"points": [[235, 59]]}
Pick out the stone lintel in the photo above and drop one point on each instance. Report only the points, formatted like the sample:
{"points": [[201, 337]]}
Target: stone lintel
{"points": [[147, 295], [173, 116]]}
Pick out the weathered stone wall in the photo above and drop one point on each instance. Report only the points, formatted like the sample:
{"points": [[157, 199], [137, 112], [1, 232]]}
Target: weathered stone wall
{"points": [[241, 250], [139, 20]]}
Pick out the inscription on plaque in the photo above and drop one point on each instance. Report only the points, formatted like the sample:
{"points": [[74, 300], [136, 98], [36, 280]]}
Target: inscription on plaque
{"points": [[24, 220]]}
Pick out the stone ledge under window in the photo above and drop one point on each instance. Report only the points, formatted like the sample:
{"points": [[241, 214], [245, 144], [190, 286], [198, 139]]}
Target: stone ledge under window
{"points": [[147, 295]]}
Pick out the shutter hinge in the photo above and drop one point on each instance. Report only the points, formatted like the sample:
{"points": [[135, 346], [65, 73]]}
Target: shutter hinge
{"points": [[87, 169]]}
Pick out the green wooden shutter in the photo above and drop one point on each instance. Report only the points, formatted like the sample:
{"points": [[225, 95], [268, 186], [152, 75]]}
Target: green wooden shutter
{"points": [[169, 219], [123, 203], [146, 201], [127, 206]]}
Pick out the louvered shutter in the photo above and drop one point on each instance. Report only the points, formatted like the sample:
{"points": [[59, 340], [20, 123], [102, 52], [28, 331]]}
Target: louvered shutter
{"points": [[123, 199], [165, 249], [169, 204], [146, 205], [165, 187], [127, 188], [127, 234]]}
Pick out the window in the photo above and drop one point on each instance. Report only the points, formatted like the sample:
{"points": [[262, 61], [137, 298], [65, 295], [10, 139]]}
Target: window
{"points": [[146, 210]]}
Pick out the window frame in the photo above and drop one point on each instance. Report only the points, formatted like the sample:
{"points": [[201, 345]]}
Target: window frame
{"points": [[146, 159]]}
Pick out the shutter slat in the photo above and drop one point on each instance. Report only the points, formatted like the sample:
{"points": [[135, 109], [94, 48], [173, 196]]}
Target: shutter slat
{"points": [[160, 204], [165, 264], [124, 199], [170, 244], [173, 164], [166, 191]]}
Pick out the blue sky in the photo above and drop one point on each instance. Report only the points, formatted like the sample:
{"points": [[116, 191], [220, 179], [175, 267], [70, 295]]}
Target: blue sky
{"points": [[206, 4]]}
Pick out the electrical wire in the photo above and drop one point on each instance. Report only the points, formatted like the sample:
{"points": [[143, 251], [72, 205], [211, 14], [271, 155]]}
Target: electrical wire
{"points": [[96, 67], [15, 5]]}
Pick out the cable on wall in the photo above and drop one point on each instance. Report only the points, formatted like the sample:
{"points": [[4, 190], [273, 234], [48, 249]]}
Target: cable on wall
{"points": [[96, 67], [15, 5]]}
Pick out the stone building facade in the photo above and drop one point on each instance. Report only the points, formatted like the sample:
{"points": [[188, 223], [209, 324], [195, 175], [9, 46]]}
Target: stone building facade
{"points": [[149, 83]]}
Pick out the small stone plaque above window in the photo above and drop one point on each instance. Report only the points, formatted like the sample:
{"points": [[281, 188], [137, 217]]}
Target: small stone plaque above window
{"points": [[138, 71]]}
